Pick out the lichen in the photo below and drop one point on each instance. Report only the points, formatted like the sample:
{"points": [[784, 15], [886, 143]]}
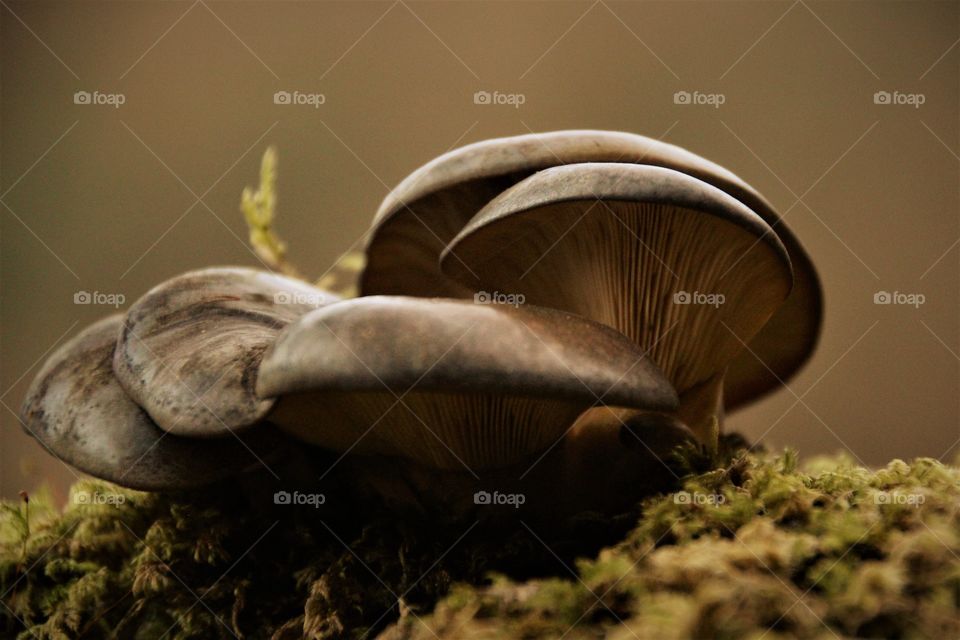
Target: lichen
{"points": [[751, 545]]}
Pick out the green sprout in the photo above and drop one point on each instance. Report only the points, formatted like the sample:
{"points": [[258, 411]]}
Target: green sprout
{"points": [[260, 209]]}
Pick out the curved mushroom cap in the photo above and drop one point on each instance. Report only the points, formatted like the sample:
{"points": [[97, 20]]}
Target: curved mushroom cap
{"points": [[449, 383], [76, 408], [189, 350], [785, 344], [677, 265], [427, 209]]}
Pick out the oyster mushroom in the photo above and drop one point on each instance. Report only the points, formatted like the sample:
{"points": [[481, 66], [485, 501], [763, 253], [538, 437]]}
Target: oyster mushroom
{"points": [[431, 206], [189, 350], [76, 408], [635, 247], [449, 383]]}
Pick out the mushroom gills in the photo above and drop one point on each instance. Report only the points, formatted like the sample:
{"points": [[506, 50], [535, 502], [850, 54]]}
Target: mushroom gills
{"points": [[609, 460], [679, 267], [79, 412], [472, 432]]}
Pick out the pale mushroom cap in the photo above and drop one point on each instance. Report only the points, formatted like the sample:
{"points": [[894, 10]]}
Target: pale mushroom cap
{"points": [[481, 385], [76, 408], [616, 242], [428, 208], [190, 348]]}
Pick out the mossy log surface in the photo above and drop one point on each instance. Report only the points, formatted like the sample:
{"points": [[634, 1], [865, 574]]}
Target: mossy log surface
{"points": [[753, 546]]}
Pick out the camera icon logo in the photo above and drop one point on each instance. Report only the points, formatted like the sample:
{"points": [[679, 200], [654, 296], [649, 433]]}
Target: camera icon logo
{"points": [[682, 97], [681, 297], [481, 297], [82, 97], [482, 497], [882, 297], [282, 297], [82, 297], [682, 497], [882, 97], [281, 497], [482, 97], [282, 97]]}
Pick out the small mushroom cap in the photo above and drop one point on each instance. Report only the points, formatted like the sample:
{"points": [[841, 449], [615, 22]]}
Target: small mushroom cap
{"points": [[76, 408], [190, 348], [486, 384], [427, 209], [616, 243]]}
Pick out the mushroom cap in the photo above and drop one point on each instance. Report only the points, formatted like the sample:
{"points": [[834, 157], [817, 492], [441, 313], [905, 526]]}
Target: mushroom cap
{"points": [[428, 208], [76, 408], [190, 348], [617, 242], [481, 385]]}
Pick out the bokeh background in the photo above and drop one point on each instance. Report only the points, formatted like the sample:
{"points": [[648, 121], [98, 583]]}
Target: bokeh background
{"points": [[108, 199]]}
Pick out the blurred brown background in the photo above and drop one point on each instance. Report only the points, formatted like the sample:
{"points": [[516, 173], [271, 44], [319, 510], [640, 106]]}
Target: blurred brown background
{"points": [[114, 200]]}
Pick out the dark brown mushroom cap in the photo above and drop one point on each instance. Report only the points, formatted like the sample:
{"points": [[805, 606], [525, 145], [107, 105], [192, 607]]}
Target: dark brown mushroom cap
{"points": [[615, 242], [487, 384], [76, 408], [427, 209], [446, 345], [190, 348]]}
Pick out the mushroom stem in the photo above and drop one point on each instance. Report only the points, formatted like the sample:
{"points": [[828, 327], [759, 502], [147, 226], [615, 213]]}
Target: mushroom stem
{"points": [[701, 410]]}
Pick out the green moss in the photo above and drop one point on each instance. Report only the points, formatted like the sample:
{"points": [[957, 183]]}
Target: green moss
{"points": [[754, 546], [821, 550]]}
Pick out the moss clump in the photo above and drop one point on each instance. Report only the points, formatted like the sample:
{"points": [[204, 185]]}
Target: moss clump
{"points": [[770, 550], [753, 546]]}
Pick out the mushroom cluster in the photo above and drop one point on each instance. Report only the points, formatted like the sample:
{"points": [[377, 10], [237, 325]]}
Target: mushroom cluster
{"points": [[543, 303]]}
